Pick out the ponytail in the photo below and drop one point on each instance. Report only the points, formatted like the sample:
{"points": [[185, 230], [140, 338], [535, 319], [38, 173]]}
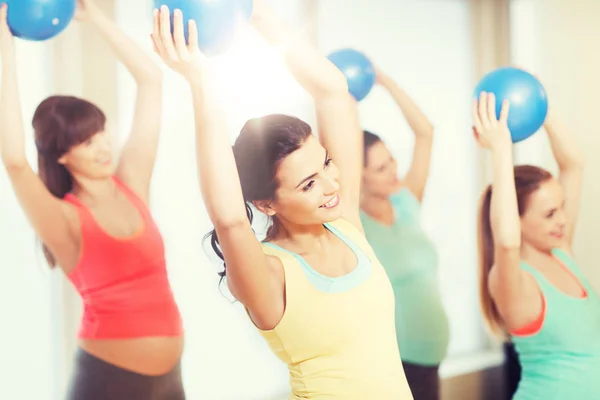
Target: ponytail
{"points": [[486, 262], [216, 246]]}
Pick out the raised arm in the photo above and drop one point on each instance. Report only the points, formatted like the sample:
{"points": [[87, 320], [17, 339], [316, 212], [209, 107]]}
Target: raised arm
{"points": [[507, 279], [139, 152], [249, 277], [48, 215], [570, 163], [337, 114], [416, 178]]}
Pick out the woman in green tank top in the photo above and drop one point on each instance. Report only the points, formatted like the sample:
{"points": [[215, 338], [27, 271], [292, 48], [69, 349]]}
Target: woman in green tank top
{"points": [[532, 292], [390, 214]]}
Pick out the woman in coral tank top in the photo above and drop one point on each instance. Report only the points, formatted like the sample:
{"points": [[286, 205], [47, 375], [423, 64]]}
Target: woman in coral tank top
{"points": [[314, 288], [532, 290], [92, 216]]}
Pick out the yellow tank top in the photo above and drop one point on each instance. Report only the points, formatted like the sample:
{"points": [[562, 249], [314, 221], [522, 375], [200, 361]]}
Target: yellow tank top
{"points": [[340, 344]]}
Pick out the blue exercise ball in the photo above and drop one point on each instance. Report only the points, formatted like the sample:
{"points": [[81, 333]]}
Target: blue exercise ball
{"points": [[39, 19], [357, 68], [216, 20], [527, 97]]}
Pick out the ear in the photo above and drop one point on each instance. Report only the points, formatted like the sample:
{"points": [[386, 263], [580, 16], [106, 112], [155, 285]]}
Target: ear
{"points": [[265, 207], [62, 160]]}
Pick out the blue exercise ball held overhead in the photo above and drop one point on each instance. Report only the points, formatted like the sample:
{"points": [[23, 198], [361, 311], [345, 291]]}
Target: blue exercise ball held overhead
{"points": [[357, 68], [216, 20], [526, 95], [39, 20]]}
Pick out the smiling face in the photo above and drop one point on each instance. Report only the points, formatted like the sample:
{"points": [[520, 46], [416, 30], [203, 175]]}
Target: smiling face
{"points": [[92, 158], [70, 131], [380, 174], [544, 221], [308, 191]]}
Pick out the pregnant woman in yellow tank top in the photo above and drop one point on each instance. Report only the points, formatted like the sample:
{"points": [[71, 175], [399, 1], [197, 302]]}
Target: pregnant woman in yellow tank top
{"points": [[314, 288]]}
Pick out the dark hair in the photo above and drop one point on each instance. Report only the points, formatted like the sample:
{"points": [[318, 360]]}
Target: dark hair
{"points": [[527, 180], [369, 140], [260, 148], [59, 123]]}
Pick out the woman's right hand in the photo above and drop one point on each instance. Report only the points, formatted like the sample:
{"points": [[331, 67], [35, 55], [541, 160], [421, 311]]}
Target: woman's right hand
{"points": [[490, 132], [185, 59], [6, 36]]}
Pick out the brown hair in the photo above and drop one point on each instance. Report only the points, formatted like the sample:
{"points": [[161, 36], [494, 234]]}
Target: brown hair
{"points": [[259, 150], [527, 180], [59, 123]]}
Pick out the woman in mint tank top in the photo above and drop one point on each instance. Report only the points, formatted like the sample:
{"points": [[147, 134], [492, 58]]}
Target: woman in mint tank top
{"points": [[390, 210], [532, 291]]}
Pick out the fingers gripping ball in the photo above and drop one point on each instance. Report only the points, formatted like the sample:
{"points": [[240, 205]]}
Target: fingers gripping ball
{"points": [[216, 20], [357, 68], [39, 19], [527, 97]]}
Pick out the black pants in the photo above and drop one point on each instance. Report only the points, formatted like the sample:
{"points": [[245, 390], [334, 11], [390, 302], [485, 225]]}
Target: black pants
{"points": [[512, 369], [95, 379], [423, 380]]}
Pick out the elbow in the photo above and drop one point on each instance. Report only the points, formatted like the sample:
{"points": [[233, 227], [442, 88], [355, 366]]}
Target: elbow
{"points": [[427, 131], [576, 162], [332, 86], [507, 245], [12, 163], [579, 162], [232, 223]]}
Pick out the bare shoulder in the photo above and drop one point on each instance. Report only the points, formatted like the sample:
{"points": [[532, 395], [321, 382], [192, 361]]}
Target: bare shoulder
{"points": [[518, 306], [493, 281], [495, 284], [66, 248], [71, 213], [276, 268]]}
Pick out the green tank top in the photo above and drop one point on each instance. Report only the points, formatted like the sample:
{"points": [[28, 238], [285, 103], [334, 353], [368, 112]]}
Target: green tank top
{"points": [[562, 360], [410, 260]]}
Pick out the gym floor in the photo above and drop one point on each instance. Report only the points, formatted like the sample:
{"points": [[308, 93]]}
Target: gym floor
{"points": [[486, 384]]}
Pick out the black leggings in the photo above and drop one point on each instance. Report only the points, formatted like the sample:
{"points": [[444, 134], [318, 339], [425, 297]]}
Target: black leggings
{"points": [[423, 380], [512, 369], [95, 379]]}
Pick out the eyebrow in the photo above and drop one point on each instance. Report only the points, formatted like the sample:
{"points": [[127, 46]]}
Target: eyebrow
{"points": [[313, 175]]}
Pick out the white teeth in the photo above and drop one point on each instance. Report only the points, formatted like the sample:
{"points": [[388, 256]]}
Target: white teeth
{"points": [[330, 203]]}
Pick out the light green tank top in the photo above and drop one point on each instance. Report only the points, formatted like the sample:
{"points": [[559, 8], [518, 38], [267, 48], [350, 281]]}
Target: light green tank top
{"points": [[562, 360], [410, 260]]}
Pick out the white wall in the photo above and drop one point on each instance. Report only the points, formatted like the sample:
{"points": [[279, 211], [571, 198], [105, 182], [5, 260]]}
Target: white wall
{"points": [[559, 39], [29, 331], [225, 358], [426, 47]]}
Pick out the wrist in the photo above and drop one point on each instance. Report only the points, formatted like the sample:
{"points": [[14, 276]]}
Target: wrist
{"points": [[503, 151], [197, 80], [384, 80], [550, 119], [94, 14]]}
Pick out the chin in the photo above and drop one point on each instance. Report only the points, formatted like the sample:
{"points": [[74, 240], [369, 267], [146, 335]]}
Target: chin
{"points": [[103, 173], [550, 244], [329, 215]]}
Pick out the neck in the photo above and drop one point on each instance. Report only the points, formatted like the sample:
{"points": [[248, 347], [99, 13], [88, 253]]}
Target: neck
{"points": [[93, 190], [300, 238], [532, 254], [374, 204]]}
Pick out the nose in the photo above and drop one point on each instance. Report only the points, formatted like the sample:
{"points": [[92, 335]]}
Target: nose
{"points": [[562, 219], [104, 143], [331, 186]]}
